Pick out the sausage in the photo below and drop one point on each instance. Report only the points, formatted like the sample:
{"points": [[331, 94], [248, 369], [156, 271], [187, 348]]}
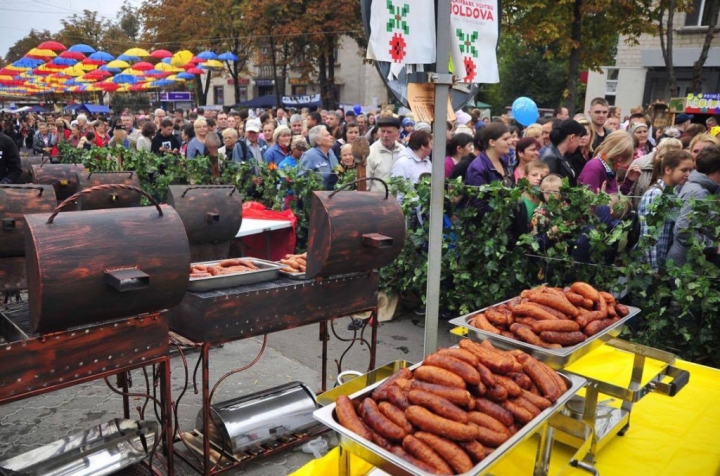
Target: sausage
{"points": [[458, 367], [425, 454], [530, 310], [525, 334], [520, 414], [586, 291], [589, 317], [563, 338], [348, 418], [545, 383], [460, 354], [396, 415], [198, 274], [555, 302], [540, 402], [554, 312], [199, 267], [428, 421], [512, 388], [482, 323], [602, 307], [380, 393], [494, 410], [474, 449], [454, 455], [496, 393], [513, 302], [521, 379], [402, 454], [398, 397], [429, 373], [490, 438], [513, 429], [558, 326], [527, 405], [622, 310], [597, 326], [486, 421], [380, 423], [486, 375], [452, 394], [498, 363], [525, 321], [496, 317], [508, 334], [403, 383], [478, 390], [578, 300], [229, 262], [438, 405], [379, 440]]}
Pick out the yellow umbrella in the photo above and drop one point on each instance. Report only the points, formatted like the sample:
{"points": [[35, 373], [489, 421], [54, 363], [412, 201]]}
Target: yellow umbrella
{"points": [[181, 58], [124, 88], [168, 67], [173, 77], [136, 52], [88, 67], [16, 68], [39, 52], [132, 72], [4, 77], [213, 64], [118, 64], [76, 70]]}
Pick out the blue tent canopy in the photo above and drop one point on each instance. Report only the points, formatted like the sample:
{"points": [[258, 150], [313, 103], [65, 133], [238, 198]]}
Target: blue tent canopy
{"points": [[71, 107], [38, 109], [262, 101], [94, 108]]}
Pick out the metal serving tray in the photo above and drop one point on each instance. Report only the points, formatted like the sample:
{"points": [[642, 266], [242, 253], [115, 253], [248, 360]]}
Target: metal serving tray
{"points": [[555, 358], [268, 271], [295, 276], [388, 462]]}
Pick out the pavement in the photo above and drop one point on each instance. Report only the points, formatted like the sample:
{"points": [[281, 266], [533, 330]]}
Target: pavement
{"points": [[292, 355]]}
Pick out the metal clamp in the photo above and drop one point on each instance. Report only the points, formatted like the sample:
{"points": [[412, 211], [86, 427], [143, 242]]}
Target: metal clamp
{"points": [[340, 379], [680, 378], [441, 78]]}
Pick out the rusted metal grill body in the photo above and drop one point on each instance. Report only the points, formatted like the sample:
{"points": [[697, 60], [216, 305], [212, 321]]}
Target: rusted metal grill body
{"points": [[117, 198], [63, 178]]}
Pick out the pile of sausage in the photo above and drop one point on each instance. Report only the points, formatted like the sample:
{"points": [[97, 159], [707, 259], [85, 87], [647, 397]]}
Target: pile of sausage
{"points": [[456, 408], [228, 266], [552, 317], [294, 263]]}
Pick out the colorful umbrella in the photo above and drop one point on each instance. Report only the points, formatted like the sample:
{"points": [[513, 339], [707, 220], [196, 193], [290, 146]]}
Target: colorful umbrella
{"points": [[197, 59], [207, 55], [128, 58], [37, 53], [107, 86], [211, 64], [76, 55], [138, 87], [143, 66], [64, 61], [161, 54], [181, 58], [88, 61], [227, 57], [27, 63], [101, 56], [161, 83], [81, 48], [118, 64], [195, 71], [125, 79], [52, 45], [136, 52], [186, 76]]}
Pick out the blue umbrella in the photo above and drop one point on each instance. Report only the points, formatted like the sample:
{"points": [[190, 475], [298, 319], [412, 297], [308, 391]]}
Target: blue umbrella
{"points": [[109, 70], [128, 58], [227, 57], [101, 56], [80, 48], [166, 60], [162, 83], [208, 55], [125, 79], [27, 63], [65, 61], [186, 76]]}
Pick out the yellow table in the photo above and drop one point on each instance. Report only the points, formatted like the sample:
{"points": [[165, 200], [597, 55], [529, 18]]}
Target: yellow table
{"points": [[678, 436]]}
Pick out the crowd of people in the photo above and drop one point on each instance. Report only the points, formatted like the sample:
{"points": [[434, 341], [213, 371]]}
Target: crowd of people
{"points": [[620, 157]]}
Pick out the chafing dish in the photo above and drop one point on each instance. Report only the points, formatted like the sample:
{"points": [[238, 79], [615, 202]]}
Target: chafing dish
{"points": [[268, 271]]}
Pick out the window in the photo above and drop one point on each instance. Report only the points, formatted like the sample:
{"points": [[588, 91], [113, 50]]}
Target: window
{"points": [[611, 84], [219, 95], [699, 16], [243, 94]]}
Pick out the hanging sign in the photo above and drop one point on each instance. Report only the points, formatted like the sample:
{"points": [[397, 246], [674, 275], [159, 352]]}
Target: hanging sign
{"points": [[402, 31], [474, 27]]}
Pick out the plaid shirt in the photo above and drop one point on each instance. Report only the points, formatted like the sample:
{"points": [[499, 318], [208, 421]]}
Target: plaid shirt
{"points": [[657, 254]]}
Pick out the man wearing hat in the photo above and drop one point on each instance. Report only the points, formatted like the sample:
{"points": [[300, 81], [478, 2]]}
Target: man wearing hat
{"points": [[255, 144], [683, 120], [384, 152]]}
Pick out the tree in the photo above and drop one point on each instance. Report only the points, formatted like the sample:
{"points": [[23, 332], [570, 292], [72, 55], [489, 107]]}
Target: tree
{"points": [[714, 7], [25, 44], [104, 35], [583, 32]]}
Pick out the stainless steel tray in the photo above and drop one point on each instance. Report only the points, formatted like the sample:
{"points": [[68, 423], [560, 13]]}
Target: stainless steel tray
{"points": [[268, 271], [388, 462], [296, 276], [555, 358]]}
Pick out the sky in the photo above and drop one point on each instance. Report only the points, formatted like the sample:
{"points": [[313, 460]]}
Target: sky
{"points": [[18, 18]]}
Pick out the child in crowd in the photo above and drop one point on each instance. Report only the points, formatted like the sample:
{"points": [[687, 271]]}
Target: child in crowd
{"points": [[407, 127], [542, 228], [347, 161]]}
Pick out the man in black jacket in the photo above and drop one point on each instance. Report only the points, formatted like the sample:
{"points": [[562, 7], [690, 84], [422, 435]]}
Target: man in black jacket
{"points": [[10, 170]]}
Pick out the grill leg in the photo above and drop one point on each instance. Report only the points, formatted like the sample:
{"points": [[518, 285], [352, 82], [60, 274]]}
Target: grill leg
{"points": [[373, 336], [324, 338], [207, 467], [166, 392]]}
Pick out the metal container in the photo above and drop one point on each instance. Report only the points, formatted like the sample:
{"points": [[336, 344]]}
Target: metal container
{"points": [[394, 465], [555, 358], [99, 265], [98, 451], [63, 177], [15, 202], [26, 164], [252, 420], [353, 232], [293, 276], [268, 272], [112, 198]]}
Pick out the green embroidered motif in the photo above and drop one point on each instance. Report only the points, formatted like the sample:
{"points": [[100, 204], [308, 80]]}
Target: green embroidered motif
{"points": [[398, 17], [467, 41]]}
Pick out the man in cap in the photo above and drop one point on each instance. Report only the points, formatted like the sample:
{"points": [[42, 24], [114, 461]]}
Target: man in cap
{"points": [[255, 144], [683, 120], [384, 152]]}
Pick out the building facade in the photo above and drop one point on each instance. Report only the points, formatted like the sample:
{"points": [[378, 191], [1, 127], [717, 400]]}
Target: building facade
{"points": [[356, 81], [640, 77]]}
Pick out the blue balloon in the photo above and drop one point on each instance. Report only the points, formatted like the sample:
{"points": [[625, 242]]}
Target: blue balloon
{"points": [[357, 108], [525, 111]]}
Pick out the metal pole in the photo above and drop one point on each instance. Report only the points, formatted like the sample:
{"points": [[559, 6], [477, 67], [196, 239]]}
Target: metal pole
{"points": [[442, 89]]}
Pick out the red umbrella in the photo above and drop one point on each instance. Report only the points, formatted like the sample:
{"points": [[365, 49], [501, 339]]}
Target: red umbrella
{"points": [[160, 54], [188, 66], [11, 82], [97, 74], [137, 87], [76, 55], [88, 61], [108, 86], [195, 71], [41, 72], [196, 60], [51, 45], [51, 65], [143, 66]]}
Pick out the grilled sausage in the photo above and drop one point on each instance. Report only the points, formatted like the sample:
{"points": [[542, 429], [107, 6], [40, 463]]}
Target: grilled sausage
{"points": [[438, 405], [521, 379], [199, 274], [475, 450], [490, 438], [498, 363], [482, 323], [496, 317], [402, 454], [496, 393], [545, 383], [396, 415], [398, 397], [527, 405], [530, 310], [563, 338], [486, 376], [455, 395], [597, 326], [428, 421], [558, 326], [349, 418], [586, 291], [460, 354], [578, 300], [512, 388], [622, 310], [424, 453], [525, 334], [555, 302], [380, 393], [458, 367], [380, 423], [494, 410], [540, 402], [428, 373], [454, 455], [486, 421]]}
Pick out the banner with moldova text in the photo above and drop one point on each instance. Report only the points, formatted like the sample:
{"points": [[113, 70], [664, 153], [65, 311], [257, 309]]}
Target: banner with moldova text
{"points": [[402, 31], [474, 37]]}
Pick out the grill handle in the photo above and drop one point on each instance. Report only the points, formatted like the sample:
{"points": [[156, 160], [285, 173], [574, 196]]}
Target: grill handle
{"points": [[127, 279], [98, 188]]}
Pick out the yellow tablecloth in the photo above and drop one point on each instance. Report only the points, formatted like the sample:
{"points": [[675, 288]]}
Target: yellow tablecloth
{"points": [[678, 436]]}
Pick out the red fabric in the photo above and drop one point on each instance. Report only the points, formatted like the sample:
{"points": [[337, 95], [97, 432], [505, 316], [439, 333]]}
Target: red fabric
{"points": [[282, 241]]}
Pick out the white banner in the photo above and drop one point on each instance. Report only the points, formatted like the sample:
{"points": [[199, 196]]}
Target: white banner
{"points": [[402, 31], [474, 27], [300, 100]]}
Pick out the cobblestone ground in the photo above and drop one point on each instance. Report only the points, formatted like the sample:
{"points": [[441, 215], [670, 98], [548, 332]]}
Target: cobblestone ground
{"points": [[290, 355]]}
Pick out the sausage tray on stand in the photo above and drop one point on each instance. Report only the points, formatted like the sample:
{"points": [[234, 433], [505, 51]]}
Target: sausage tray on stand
{"points": [[606, 421], [341, 281], [98, 282]]}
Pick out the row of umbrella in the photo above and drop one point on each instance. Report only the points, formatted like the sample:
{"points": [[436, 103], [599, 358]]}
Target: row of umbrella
{"points": [[52, 68]]}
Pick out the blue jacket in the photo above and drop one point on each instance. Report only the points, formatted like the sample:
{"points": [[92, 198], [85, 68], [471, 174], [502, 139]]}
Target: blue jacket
{"points": [[315, 160], [275, 155]]}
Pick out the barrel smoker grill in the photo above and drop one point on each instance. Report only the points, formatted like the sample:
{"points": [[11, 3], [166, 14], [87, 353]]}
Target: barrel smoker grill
{"points": [[97, 283]]}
